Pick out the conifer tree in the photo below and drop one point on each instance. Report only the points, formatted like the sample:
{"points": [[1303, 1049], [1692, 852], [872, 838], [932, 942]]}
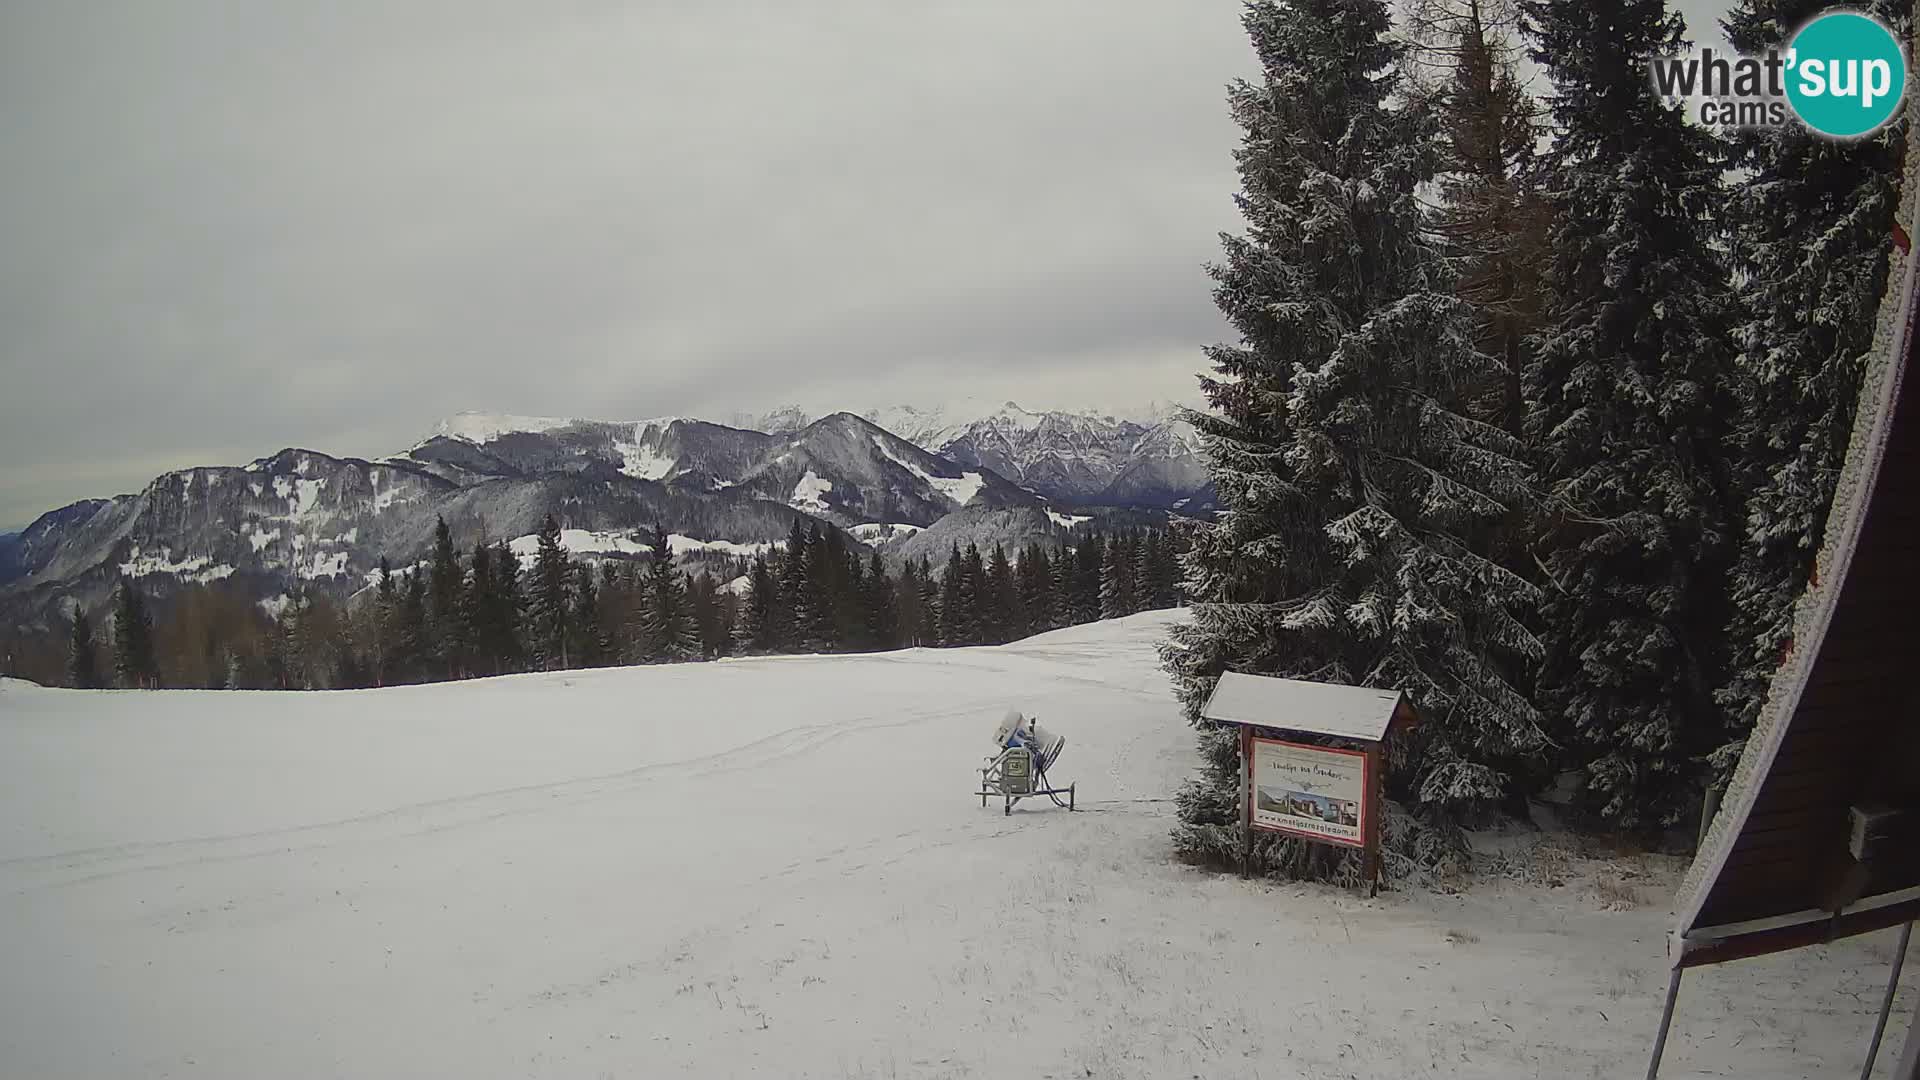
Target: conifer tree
{"points": [[838, 588], [640, 627], [1116, 580], [1172, 575], [292, 653], [1145, 546], [908, 613], [953, 600], [668, 624], [472, 637], [385, 605], [1627, 405], [1088, 557], [410, 631], [1812, 223], [974, 594], [133, 653], [758, 628], [930, 615], [547, 599], [1490, 216], [1351, 482], [794, 618], [726, 610], [1036, 601], [443, 602], [588, 643], [861, 603], [508, 609], [882, 607], [998, 599], [82, 669], [609, 605], [1060, 583], [703, 599]]}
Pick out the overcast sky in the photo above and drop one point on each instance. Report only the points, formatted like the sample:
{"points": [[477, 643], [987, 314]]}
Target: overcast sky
{"points": [[229, 228]]}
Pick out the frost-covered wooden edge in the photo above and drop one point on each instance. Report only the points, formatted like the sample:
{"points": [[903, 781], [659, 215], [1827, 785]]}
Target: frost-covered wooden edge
{"points": [[1879, 391]]}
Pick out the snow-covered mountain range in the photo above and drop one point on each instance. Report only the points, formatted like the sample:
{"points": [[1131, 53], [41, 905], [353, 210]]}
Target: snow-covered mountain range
{"points": [[1148, 457], [300, 517]]}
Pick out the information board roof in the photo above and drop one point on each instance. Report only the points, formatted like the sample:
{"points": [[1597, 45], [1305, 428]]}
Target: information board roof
{"points": [[1349, 712]]}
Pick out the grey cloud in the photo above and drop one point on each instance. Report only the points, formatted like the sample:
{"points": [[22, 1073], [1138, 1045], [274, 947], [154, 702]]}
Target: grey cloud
{"points": [[233, 227]]}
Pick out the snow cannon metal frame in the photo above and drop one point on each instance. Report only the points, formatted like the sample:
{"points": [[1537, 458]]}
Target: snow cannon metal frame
{"points": [[1019, 770]]}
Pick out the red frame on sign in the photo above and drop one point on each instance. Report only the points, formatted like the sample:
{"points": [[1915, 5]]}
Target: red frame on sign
{"points": [[1366, 793]]}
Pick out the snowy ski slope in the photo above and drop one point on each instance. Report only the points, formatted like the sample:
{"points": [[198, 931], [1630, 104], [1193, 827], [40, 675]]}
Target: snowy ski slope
{"points": [[773, 867]]}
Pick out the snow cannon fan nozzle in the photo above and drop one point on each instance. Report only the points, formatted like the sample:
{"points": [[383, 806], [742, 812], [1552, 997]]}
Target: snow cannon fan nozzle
{"points": [[1016, 729]]}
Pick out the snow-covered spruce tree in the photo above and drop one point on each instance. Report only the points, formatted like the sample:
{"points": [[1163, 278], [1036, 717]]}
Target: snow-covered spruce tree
{"points": [[1116, 580], [547, 599], [1345, 472], [1146, 550], [1812, 232], [1628, 398], [1490, 220]]}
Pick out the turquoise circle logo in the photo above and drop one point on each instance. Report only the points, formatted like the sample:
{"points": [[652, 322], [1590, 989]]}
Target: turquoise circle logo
{"points": [[1848, 74]]}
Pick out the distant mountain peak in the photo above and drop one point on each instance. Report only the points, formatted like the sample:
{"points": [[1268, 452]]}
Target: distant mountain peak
{"points": [[484, 427], [480, 428]]}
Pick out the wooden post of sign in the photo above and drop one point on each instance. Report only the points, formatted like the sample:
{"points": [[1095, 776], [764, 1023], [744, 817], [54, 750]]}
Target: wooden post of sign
{"points": [[1370, 862], [1246, 801]]}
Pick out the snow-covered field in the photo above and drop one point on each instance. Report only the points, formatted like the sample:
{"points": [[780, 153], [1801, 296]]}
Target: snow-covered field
{"points": [[774, 867]]}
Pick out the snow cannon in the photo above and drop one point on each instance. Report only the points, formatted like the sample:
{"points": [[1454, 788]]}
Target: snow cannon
{"points": [[1018, 730], [1019, 770]]}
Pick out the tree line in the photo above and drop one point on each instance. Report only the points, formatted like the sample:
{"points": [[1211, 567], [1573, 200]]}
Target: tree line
{"points": [[490, 612], [1532, 413]]}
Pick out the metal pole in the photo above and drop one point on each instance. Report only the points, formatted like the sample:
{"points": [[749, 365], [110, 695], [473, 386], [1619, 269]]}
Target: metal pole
{"points": [[1909, 1067], [1666, 1021], [1886, 1006]]}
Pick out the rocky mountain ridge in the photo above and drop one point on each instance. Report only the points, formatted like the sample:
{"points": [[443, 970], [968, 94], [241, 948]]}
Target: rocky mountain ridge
{"points": [[304, 519]]}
